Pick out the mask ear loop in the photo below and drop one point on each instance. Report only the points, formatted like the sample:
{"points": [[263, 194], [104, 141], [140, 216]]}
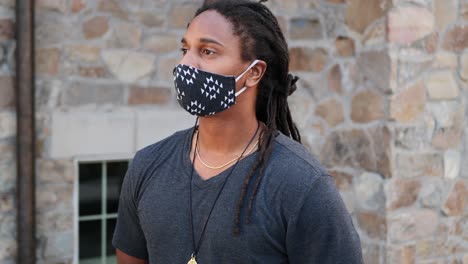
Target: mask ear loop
{"points": [[240, 76]]}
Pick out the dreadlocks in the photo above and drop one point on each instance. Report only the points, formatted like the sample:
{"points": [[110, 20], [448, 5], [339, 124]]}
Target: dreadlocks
{"points": [[261, 38]]}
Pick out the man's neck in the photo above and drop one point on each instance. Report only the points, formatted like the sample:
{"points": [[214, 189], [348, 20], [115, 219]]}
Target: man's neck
{"points": [[221, 136]]}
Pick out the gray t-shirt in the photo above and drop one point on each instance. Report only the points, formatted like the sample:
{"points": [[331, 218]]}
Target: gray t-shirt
{"points": [[298, 215]]}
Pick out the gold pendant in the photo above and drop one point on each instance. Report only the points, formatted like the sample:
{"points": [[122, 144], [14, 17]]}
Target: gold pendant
{"points": [[192, 261]]}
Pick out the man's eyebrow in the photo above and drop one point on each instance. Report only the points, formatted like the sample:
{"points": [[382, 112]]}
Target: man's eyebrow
{"points": [[204, 40], [208, 40]]}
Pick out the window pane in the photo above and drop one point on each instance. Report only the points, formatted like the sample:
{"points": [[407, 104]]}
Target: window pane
{"points": [[110, 232], [90, 175], [90, 241], [115, 174]]}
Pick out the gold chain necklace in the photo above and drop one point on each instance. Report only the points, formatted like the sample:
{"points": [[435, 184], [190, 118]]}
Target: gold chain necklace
{"points": [[197, 152]]}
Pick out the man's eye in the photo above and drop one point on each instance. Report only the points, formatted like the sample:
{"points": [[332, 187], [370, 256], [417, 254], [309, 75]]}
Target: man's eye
{"points": [[184, 51], [208, 52]]}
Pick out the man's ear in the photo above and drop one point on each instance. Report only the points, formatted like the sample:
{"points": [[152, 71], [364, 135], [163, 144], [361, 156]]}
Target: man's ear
{"points": [[255, 74]]}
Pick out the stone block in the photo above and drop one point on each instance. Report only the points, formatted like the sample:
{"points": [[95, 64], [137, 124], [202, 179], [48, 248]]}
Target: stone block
{"points": [[113, 7], [372, 253], [419, 165], [452, 161], [369, 187], [88, 93], [401, 193], [381, 144], [59, 247], [464, 14], [149, 95], [376, 66], [54, 171], [415, 137], [161, 43], [48, 61], [78, 5], [93, 72], [82, 133], [402, 254], [343, 180], [7, 202], [305, 28], [445, 13], [446, 60], [302, 105], [54, 5], [447, 138], [367, 106], [307, 59], [8, 238], [291, 6], [84, 53], [128, 66], [447, 114], [464, 68], [151, 19], [408, 105], [431, 43], [457, 200], [181, 14], [376, 34], [95, 27], [48, 93], [373, 224], [54, 197], [442, 86], [354, 148], [347, 148], [331, 111], [334, 79], [406, 226], [344, 46], [7, 94], [7, 29], [409, 24], [149, 128], [7, 3], [412, 63], [125, 35], [361, 13], [456, 39], [54, 221], [55, 30], [431, 193], [336, 1], [165, 68], [7, 124]]}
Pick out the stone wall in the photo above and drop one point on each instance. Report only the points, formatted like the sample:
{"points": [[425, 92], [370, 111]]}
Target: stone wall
{"points": [[104, 70], [384, 106], [7, 134], [427, 197], [382, 103]]}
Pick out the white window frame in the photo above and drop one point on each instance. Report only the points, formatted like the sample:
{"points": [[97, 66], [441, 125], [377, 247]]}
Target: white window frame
{"points": [[76, 182]]}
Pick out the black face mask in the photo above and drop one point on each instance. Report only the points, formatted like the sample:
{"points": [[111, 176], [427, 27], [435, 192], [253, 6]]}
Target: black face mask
{"points": [[204, 93]]}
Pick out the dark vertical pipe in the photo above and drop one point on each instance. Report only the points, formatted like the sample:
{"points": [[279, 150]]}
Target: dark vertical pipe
{"points": [[26, 235]]}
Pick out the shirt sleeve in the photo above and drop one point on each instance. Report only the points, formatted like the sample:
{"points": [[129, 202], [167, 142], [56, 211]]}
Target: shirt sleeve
{"points": [[128, 235], [321, 230]]}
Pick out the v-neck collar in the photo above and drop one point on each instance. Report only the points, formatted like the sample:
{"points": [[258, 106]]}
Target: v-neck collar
{"points": [[217, 179]]}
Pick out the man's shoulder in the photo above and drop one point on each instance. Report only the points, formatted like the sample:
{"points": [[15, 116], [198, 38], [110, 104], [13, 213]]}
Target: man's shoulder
{"points": [[162, 149], [294, 157], [176, 139]]}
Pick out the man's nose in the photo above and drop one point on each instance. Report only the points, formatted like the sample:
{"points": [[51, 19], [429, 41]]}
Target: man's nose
{"points": [[190, 59]]}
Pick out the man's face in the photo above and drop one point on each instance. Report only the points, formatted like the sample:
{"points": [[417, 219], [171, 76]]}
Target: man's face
{"points": [[210, 45]]}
